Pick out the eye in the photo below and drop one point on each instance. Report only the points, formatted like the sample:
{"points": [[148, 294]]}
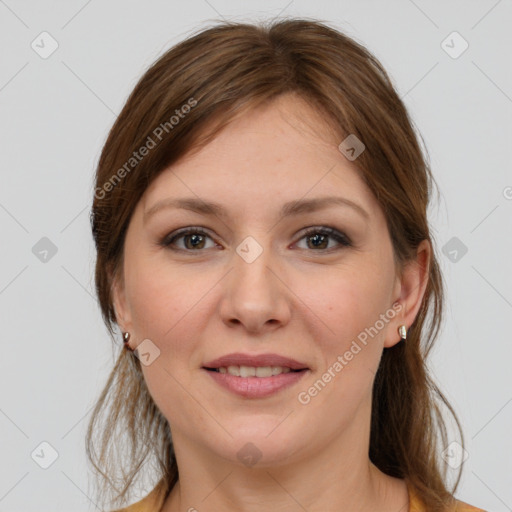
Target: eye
{"points": [[193, 238], [319, 236]]}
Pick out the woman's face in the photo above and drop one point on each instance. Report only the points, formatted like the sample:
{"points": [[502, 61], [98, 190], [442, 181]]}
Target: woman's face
{"points": [[255, 283]]}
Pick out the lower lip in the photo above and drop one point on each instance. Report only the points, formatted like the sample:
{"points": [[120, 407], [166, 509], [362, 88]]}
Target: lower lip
{"points": [[256, 387]]}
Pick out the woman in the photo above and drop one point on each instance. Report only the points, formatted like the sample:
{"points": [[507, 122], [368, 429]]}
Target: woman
{"points": [[260, 219]]}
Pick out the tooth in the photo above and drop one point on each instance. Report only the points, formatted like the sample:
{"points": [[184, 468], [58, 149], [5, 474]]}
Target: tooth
{"points": [[234, 370], [252, 371], [264, 371], [247, 371]]}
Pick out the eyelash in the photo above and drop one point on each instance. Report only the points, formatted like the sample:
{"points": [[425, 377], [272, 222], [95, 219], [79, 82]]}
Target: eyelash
{"points": [[340, 237]]}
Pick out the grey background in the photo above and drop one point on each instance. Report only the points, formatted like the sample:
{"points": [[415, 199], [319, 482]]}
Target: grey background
{"points": [[55, 115]]}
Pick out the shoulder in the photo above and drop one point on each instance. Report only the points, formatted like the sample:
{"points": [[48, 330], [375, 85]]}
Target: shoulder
{"points": [[458, 506], [153, 502]]}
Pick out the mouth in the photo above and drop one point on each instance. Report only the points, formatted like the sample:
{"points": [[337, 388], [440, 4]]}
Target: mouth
{"points": [[240, 381], [254, 371], [254, 365], [255, 376]]}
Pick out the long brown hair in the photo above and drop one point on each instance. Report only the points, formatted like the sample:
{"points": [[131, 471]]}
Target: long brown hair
{"points": [[182, 101]]}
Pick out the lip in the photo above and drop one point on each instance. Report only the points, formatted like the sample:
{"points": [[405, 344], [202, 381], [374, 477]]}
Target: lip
{"points": [[256, 387], [241, 359]]}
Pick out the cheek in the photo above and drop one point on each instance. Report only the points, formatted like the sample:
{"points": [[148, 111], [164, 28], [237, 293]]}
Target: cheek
{"points": [[167, 306], [346, 301], [346, 307]]}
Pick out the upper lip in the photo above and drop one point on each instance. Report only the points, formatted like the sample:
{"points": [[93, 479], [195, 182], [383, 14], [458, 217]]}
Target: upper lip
{"points": [[240, 359]]}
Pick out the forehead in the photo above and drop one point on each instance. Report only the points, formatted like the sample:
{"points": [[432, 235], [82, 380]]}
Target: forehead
{"points": [[277, 153]]}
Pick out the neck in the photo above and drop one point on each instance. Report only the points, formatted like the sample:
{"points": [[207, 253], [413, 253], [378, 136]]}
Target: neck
{"points": [[318, 482]]}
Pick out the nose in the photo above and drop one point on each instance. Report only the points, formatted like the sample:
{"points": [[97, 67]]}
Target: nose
{"points": [[255, 296]]}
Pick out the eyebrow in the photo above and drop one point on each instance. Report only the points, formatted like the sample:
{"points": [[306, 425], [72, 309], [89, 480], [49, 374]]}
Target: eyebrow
{"points": [[288, 209]]}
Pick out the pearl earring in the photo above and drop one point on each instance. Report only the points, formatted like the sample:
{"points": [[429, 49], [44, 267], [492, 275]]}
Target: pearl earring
{"points": [[402, 331]]}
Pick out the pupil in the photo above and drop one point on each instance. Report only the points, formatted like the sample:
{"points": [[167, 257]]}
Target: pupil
{"points": [[195, 238], [317, 238]]}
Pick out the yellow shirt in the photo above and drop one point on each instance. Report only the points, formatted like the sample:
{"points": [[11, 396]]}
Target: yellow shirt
{"points": [[154, 501]]}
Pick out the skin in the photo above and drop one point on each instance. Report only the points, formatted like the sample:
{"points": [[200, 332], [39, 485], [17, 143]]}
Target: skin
{"points": [[295, 300]]}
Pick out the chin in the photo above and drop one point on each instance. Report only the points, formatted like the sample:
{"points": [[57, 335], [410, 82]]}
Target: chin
{"points": [[256, 448]]}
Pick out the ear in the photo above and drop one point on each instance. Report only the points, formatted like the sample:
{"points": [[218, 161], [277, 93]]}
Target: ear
{"points": [[121, 308], [410, 289]]}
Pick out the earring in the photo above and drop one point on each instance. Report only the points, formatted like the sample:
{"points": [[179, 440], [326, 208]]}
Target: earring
{"points": [[126, 337], [402, 330]]}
